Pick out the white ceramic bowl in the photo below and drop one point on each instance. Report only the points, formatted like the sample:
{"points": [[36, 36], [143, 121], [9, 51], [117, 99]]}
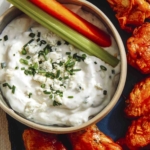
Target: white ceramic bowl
{"points": [[13, 12]]}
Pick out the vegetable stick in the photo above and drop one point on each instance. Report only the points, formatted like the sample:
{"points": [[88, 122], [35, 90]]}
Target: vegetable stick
{"points": [[74, 21], [64, 31]]}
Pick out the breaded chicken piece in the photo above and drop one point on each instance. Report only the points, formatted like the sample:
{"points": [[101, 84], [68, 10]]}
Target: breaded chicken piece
{"points": [[36, 140], [138, 134], [138, 46], [130, 13], [92, 139], [138, 102]]}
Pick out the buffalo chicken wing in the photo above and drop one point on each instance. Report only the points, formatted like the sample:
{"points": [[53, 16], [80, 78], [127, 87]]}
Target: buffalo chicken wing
{"points": [[130, 13], [92, 139]]}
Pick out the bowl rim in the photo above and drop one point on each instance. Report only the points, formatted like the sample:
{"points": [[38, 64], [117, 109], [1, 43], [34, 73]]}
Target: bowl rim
{"points": [[110, 105]]}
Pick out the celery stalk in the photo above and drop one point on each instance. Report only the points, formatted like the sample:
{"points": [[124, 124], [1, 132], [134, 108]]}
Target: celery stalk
{"points": [[64, 31]]}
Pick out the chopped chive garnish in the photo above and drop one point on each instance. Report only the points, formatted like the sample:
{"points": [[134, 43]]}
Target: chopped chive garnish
{"points": [[60, 78], [57, 73], [6, 84], [30, 94], [103, 68], [38, 40], [46, 92], [55, 103], [105, 92], [66, 77], [23, 68], [5, 37], [28, 43], [68, 53], [28, 57], [26, 72], [43, 86], [47, 49], [51, 96], [16, 67], [70, 96], [24, 52], [32, 35], [42, 42], [95, 62], [59, 43], [113, 71], [41, 71], [70, 64], [3, 65], [38, 34], [42, 53], [13, 89], [76, 70], [23, 61], [13, 54]]}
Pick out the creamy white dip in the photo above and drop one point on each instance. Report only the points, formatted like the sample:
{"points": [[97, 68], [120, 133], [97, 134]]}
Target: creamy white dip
{"points": [[49, 81]]}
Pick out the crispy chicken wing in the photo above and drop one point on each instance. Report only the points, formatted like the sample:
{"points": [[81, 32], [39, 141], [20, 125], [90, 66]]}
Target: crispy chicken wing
{"points": [[92, 139], [130, 13], [36, 140], [138, 102], [138, 135], [139, 49]]}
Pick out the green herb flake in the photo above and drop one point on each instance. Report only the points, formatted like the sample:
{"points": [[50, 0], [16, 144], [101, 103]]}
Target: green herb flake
{"points": [[57, 73], [5, 37], [32, 35], [59, 43], [3, 65], [13, 89], [103, 68], [23, 61], [46, 92], [38, 34], [105, 92], [42, 42], [38, 40], [113, 71], [75, 70], [43, 86], [24, 51], [30, 94], [16, 67], [70, 96], [6, 84], [68, 53], [55, 103], [28, 57], [23, 68]]}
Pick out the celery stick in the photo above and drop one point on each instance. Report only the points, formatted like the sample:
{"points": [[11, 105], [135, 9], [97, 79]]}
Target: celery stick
{"points": [[64, 31]]}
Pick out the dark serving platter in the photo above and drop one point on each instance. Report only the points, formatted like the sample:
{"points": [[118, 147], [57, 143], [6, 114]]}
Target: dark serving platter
{"points": [[114, 124]]}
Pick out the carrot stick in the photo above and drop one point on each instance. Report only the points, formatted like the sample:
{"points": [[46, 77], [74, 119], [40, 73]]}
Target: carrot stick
{"points": [[55, 9]]}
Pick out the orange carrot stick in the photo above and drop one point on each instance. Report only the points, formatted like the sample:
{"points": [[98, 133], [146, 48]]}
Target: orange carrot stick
{"points": [[55, 9]]}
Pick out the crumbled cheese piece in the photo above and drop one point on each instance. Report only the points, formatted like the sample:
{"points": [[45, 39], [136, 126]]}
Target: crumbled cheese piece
{"points": [[87, 60], [9, 74], [99, 86], [33, 48], [47, 66], [58, 99], [39, 78], [55, 56]]}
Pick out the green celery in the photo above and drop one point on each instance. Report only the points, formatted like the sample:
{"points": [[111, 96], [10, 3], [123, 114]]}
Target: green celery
{"points": [[64, 31]]}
